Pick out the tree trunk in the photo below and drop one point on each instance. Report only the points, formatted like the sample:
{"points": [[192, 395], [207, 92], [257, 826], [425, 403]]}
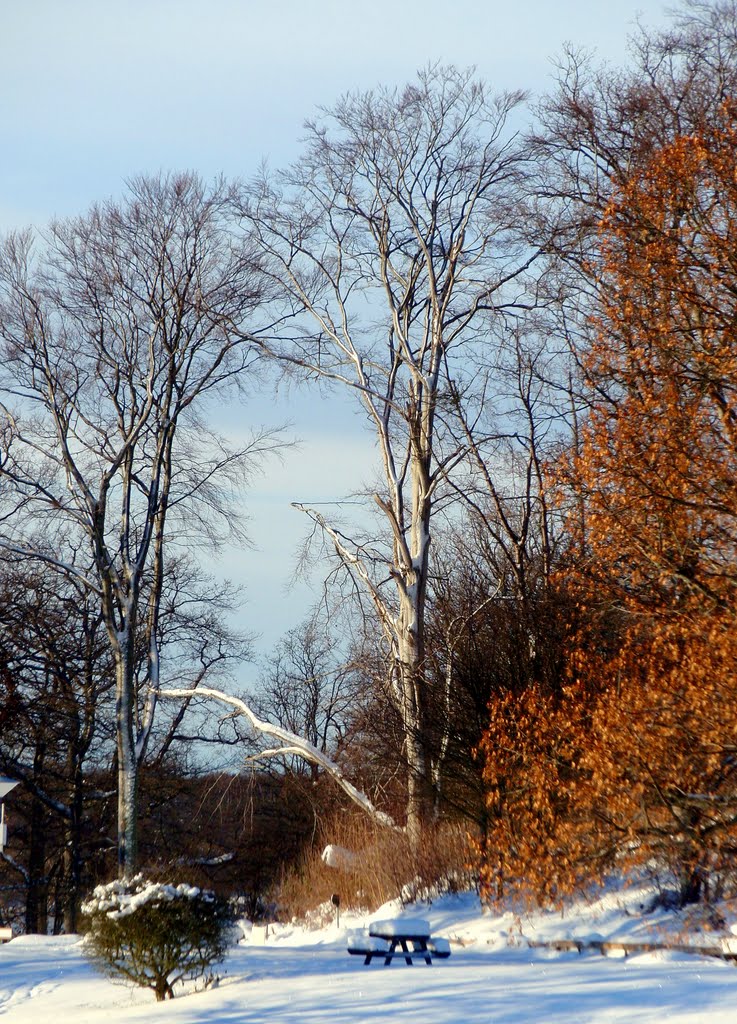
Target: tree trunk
{"points": [[411, 633], [419, 802], [73, 858], [412, 692], [37, 891], [127, 765]]}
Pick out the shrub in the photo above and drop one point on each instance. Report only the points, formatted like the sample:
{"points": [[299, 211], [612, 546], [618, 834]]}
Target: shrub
{"points": [[156, 935]]}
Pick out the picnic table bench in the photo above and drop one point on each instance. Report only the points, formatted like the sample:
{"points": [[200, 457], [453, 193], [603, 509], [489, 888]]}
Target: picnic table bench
{"points": [[401, 937]]}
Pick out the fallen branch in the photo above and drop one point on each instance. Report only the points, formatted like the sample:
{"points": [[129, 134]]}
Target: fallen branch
{"points": [[291, 743], [604, 946]]}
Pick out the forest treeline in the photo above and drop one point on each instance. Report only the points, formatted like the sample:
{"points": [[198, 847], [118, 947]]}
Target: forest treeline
{"points": [[526, 633]]}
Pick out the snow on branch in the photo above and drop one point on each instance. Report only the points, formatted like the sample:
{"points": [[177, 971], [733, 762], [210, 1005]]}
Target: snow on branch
{"points": [[293, 743]]}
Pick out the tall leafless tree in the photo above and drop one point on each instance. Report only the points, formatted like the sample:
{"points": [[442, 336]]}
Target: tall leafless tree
{"points": [[116, 328], [395, 244]]}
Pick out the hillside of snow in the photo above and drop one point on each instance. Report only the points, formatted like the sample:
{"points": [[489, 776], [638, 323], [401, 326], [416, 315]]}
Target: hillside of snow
{"points": [[299, 974]]}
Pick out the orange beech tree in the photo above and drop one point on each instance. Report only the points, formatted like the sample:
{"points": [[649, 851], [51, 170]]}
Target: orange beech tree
{"points": [[639, 754]]}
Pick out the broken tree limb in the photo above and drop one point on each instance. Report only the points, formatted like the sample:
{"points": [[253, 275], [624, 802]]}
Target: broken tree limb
{"points": [[604, 947], [295, 745]]}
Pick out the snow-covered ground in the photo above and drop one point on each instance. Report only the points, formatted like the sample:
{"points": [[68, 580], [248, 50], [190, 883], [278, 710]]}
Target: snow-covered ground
{"points": [[306, 976]]}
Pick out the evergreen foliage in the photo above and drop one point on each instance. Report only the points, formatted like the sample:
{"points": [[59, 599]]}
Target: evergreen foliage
{"points": [[157, 935]]}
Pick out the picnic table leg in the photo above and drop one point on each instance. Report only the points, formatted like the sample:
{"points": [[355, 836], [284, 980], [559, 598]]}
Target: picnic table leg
{"points": [[421, 947], [407, 956]]}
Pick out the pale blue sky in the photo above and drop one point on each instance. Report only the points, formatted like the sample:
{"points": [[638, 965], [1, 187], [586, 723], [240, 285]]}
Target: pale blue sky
{"points": [[94, 91]]}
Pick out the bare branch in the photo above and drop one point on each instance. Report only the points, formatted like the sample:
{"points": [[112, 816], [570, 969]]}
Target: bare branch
{"points": [[293, 744]]}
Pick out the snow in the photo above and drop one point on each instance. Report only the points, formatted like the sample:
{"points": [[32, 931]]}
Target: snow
{"points": [[118, 900], [400, 927], [492, 977], [339, 857], [357, 938]]}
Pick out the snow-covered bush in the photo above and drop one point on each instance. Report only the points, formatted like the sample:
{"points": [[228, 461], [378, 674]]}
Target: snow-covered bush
{"points": [[157, 935]]}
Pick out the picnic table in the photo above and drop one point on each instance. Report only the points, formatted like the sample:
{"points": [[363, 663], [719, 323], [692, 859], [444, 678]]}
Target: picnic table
{"points": [[407, 937]]}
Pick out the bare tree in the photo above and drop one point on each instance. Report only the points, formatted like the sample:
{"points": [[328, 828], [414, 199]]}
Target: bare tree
{"points": [[115, 331], [308, 687], [395, 246], [57, 682], [601, 124], [197, 644]]}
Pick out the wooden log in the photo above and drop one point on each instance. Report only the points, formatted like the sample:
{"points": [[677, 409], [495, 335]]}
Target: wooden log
{"points": [[605, 946]]}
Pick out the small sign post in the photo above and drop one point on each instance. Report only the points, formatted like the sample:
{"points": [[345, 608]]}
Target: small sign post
{"points": [[6, 785]]}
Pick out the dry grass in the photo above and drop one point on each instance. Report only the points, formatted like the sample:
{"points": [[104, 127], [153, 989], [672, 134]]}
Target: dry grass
{"points": [[383, 868]]}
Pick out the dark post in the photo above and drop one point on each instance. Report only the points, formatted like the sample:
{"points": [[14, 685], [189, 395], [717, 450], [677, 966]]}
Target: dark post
{"points": [[335, 900]]}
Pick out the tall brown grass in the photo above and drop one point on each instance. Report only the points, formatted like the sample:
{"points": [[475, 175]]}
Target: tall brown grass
{"points": [[383, 868]]}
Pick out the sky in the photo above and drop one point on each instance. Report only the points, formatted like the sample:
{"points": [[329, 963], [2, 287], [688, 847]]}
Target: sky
{"points": [[95, 92]]}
